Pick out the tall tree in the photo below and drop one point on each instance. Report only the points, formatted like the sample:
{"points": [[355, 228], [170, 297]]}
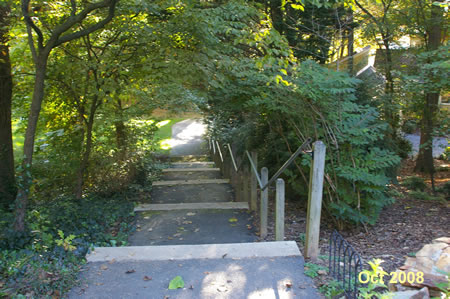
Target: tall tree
{"points": [[7, 181], [57, 28], [424, 162], [378, 13]]}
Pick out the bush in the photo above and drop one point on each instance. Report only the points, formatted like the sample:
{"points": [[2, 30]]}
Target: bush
{"points": [[275, 118], [414, 183], [445, 190], [45, 260], [410, 126]]}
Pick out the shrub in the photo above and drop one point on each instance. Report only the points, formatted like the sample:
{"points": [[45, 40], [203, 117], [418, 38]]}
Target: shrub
{"points": [[414, 183], [275, 118]]}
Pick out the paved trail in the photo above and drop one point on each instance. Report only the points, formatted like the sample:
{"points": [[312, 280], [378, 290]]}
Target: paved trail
{"points": [[439, 144], [191, 226]]}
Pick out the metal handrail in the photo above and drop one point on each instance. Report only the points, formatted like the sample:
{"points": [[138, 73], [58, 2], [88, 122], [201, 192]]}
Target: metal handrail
{"points": [[288, 162], [253, 167], [255, 171], [232, 157], [220, 152]]}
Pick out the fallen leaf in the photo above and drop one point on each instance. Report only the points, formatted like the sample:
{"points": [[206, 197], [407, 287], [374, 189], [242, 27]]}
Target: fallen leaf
{"points": [[288, 284], [187, 222], [196, 230], [103, 267], [130, 271], [190, 214], [150, 229], [147, 278], [176, 283], [98, 284], [232, 219], [112, 261], [206, 272]]}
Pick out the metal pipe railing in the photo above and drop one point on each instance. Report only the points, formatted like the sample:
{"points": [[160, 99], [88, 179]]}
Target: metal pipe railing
{"points": [[255, 171], [232, 157], [287, 163], [263, 182]]}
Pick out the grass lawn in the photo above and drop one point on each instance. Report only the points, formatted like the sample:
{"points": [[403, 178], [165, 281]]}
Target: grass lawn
{"points": [[164, 134], [18, 139]]}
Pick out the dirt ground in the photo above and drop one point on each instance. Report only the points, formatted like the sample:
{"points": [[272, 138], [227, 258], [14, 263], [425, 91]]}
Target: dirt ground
{"points": [[401, 230]]}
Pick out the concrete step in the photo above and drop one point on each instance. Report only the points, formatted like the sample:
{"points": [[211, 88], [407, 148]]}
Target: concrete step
{"points": [[192, 194], [193, 206], [184, 252], [192, 165], [249, 270], [193, 226], [172, 174], [189, 158], [191, 182], [207, 169]]}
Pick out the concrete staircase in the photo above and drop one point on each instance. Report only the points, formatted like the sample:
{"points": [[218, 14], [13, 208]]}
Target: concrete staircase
{"points": [[192, 227]]}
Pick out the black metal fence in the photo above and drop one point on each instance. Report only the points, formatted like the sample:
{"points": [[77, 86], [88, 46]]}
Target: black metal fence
{"points": [[345, 264]]}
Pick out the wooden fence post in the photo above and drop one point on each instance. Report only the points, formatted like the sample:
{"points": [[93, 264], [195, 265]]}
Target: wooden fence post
{"points": [[264, 202], [315, 201], [279, 211], [254, 184], [246, 181]]}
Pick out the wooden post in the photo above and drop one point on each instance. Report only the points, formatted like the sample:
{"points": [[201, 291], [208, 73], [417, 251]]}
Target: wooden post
{"points": [[279, 211], [254, 184], [245, 181], [315, 201], [264, 202]]}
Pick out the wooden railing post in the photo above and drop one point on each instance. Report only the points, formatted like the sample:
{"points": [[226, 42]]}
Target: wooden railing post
{"points": [[246, 181], [264, 202], [279, 211], [315, 201], [254, 184]]}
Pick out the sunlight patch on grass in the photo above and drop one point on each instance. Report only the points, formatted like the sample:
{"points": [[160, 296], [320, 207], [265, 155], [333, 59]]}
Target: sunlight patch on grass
{"points": [[18, 139], [163, 123], [164, 134]]}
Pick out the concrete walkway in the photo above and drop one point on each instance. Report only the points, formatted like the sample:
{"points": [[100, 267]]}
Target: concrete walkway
{"points": [[192, 227], [187, 138], [439, 144]]}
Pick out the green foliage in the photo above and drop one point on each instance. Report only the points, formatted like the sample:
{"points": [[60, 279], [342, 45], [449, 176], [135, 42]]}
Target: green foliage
{"points": [[444, 189], [176, 283], [331, 289], [274, 119], [61, 231], [415, 183], [371, 290], [444, 287], [420, 195], [312, 269]]}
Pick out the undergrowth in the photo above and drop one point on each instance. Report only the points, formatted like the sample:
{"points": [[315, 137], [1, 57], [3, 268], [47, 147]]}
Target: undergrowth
{"points": [[44, 261]]}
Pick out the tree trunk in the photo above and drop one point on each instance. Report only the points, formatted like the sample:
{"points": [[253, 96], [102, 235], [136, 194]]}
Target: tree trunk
{"points": [[424, 162], [83, 170], [7, 181], [121, 132], [350, 41], [276, 15], [28, 147]]}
